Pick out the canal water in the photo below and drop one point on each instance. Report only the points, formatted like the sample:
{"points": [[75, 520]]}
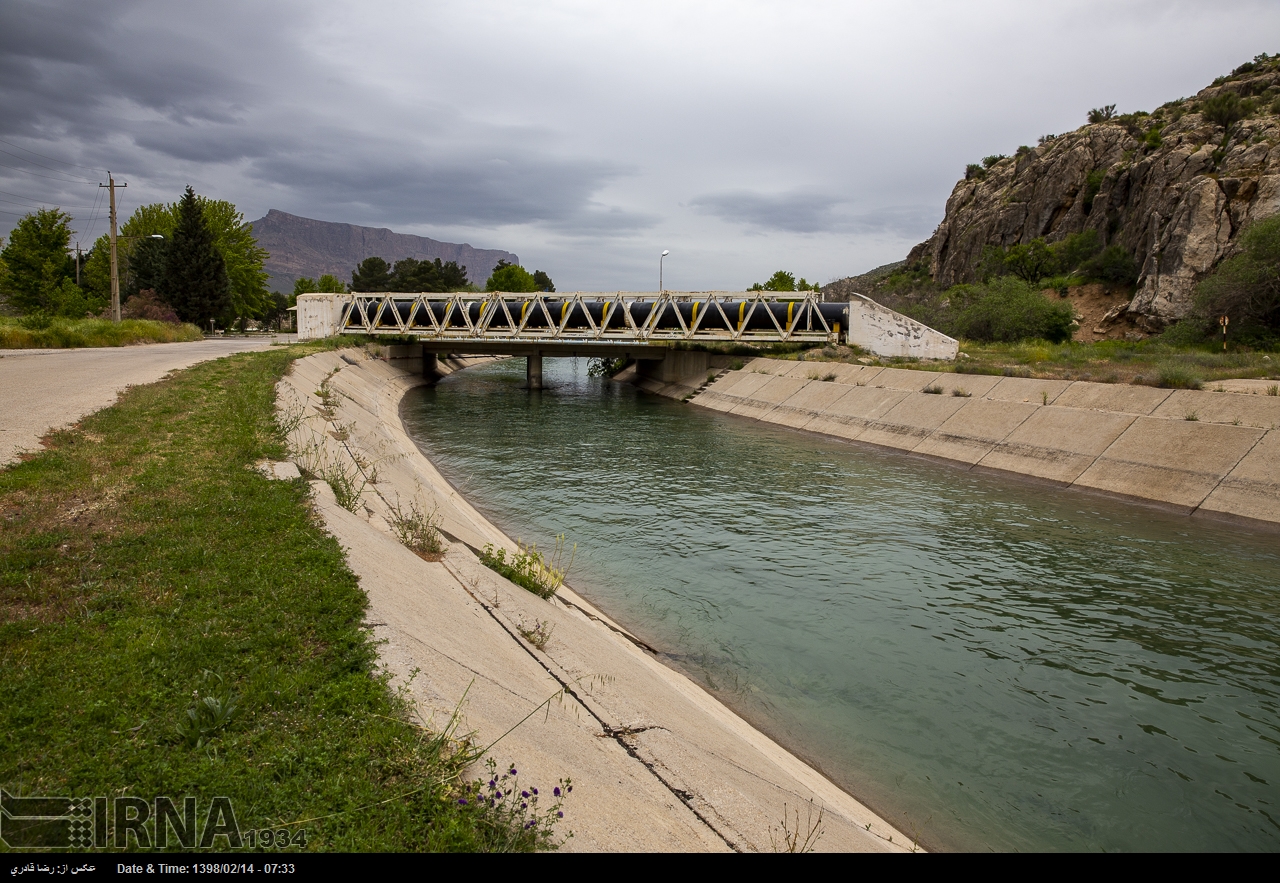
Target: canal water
{"points": [[989, 663]]}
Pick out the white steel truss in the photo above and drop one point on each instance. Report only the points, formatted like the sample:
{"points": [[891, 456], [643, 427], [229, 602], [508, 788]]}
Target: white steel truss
{"points": [[504, 316]]}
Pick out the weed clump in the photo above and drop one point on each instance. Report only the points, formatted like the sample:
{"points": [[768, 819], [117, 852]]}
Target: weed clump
{"points": [[418, 532], [529, 568]]}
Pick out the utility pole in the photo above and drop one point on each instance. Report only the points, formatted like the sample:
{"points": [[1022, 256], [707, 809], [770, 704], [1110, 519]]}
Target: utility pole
{"points": [[77, 263], [115, 266]]}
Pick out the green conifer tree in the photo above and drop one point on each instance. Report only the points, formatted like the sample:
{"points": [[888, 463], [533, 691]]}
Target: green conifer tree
{"points": [[195, 280]]}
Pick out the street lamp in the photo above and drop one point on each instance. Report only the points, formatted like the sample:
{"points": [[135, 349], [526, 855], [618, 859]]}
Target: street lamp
{"points": [[660, 259]]}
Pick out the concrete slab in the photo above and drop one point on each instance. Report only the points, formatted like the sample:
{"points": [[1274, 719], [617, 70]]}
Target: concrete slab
{"points": [[850, 414], [855, 375], [909, 381], [731, 390], [777, 389], [1252, 489], [974, 430], [1244, 387], [1215, 407], [1056, 444], [811, 399], [1026, 389], [1178, 462], [911, 421], [1115, 397], [767, 366], [977, 385]]}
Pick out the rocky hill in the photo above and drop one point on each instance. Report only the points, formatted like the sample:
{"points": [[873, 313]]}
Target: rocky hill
{"points": [[1173, 187], [305, 247]]}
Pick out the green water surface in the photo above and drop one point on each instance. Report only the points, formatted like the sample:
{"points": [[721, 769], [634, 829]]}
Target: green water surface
{"points": [[989, 663]]}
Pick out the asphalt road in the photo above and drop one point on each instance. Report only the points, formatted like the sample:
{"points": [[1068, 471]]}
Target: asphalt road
{"points": [[42, 390]]}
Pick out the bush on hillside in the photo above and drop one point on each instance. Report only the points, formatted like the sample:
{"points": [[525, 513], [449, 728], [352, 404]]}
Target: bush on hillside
{"points": [[1246, 287], [1008, 310], [1113, 264]]}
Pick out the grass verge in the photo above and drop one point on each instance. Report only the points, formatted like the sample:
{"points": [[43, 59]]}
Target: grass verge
{"points": [[1148, 363], [172, 623], [67, 333]]}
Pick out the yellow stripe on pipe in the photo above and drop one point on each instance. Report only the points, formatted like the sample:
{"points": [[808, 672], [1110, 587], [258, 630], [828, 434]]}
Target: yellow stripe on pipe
{"points": [[790, 306], [694, 320], [564, 309], [742, 308]]}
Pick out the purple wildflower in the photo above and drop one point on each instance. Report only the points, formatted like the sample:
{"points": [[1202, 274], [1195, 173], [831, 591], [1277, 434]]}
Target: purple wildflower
{"points": [[492, 783], [513, 771], [559, 815], [524, 806], [535, 791], [570, 789], [462, 801], [497, 794], [524, 794], [556, 791]]}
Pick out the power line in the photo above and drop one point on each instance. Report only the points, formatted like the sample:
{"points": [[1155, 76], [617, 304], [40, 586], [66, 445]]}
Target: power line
{"points": [[38, 165], [51, 158], [50, 177], [33, 203]]}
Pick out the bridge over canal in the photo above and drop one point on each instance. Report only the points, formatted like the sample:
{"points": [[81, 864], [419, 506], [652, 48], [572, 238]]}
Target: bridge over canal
{"points": [[642, 327]]}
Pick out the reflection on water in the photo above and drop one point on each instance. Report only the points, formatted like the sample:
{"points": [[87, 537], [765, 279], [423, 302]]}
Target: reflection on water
{"points": [[989, 663]]}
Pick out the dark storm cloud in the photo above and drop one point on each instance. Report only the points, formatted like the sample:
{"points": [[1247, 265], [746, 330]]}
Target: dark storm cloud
{"points": [[177, 93]]}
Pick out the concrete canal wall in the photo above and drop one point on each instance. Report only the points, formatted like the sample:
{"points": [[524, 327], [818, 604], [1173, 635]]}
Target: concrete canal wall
{"points": [[657, 763], [1203, 452]]}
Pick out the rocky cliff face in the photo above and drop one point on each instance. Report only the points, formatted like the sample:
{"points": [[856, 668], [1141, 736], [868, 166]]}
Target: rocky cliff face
{"points": [[1175, 200], [305, 247]]}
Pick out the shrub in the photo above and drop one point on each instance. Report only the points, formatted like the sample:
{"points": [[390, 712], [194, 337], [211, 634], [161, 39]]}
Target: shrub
{"points": [[1010, 310], [1175, 376], [1074, 250], [1113, 264], [1102, 114], [973, 171], [1022, 151], [1224, 109], [989, 161], [1246, 287], [1032, 261], [529, 569], [147, 305]]}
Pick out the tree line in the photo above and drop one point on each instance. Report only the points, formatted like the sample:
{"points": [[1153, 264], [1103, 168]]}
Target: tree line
{"points": [[410, 275], [194, 260]]}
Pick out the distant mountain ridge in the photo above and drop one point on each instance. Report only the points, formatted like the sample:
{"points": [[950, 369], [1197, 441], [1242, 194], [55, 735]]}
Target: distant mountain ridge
{"points": [[306, 247]]}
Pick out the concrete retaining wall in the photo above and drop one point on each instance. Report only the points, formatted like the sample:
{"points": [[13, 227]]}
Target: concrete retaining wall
{"points": [[1195, 451], [884, 332], [318, 315]]}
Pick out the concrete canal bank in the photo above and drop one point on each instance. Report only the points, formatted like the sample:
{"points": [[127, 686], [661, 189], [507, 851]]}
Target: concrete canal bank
{"points": [[1197, 451], [657, 763]]}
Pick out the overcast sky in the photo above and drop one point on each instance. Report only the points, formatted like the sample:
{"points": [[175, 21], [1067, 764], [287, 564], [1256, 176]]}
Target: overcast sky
{"points": [[818, 137]]}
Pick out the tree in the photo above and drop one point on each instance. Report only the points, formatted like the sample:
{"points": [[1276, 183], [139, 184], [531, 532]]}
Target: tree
{"points": [[326, 284], [781, 281], [1009, 310], [37, 260], [414, 275], [1112, 264], [243, 257], [195, 280], [373, 274], [1032, 261], [511, 277], [543, 281]]}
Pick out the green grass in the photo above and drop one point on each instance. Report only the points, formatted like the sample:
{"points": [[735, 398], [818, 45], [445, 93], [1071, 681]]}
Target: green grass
{"points": [[1150, 363], [144, 567], [64, 333]]}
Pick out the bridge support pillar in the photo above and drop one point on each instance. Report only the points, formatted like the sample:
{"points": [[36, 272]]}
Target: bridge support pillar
{"points": [[430, 366], [533, 371]]}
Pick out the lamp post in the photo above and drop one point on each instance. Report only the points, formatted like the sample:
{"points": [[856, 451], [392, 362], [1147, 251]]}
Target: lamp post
{"points": [[660, 260]]}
